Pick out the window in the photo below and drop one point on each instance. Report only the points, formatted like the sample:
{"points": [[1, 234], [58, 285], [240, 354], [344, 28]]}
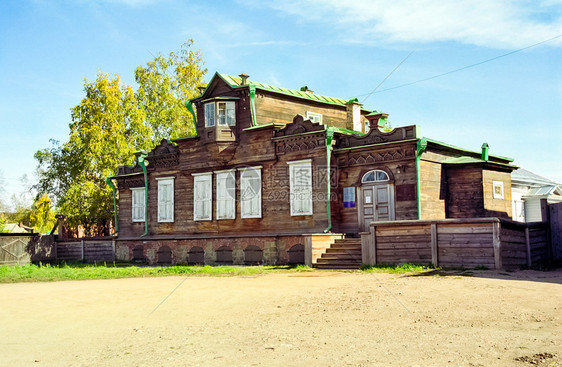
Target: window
{"points": [[138, 201], [498, 189], [226, 194], [314, 117], [375, 176], [300, 174], [225, 113], [202, 196], [222, 113], [209, 114], [250, 192], [165, 199]]}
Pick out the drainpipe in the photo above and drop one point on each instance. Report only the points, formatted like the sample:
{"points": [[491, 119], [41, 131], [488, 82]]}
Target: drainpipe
{"points": [[329, 139], [252, 89], [110, 183], [140, 160], [190, 109], [422, 145], [485, 148]]}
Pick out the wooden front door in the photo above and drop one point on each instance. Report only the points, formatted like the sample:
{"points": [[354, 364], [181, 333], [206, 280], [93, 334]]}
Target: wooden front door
{"points": [[376, 204]]}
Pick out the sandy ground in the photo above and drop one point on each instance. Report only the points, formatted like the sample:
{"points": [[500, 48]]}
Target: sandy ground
{"points": [[313, 319]]}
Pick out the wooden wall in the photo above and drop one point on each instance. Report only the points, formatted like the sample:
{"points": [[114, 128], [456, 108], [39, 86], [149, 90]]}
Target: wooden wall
{"points": [[497, 207], [274, 108], [433, 190], [88, 250], [555, 217], [464, 192]]}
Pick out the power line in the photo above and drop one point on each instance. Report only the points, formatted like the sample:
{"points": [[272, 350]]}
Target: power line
{"points": [[464, 67], [397, 66]]}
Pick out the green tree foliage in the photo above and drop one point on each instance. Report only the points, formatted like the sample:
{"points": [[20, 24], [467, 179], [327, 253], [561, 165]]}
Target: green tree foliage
{"points": [[42, 217], [165, 84], [108, 126]]}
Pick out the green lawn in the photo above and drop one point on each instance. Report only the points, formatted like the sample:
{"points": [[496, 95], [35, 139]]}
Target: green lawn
{"points": [[81, 271]]}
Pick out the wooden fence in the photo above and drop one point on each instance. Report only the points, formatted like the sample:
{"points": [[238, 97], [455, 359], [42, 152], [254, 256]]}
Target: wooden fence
{"points": [[555, 219], [97, 249], [476, 242], [23, 248]]}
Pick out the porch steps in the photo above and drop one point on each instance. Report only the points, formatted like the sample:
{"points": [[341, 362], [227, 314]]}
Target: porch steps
{"points": [[342, 254]]}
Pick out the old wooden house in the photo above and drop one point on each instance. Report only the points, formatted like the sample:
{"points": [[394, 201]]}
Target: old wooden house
{"points": [[273, 171]]}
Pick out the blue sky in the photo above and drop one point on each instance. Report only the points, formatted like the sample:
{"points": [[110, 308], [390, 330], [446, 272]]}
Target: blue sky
{"points": [[338, 48]]}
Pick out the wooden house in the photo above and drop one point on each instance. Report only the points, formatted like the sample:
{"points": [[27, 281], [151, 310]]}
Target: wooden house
{"points": [[528, 190], [274, 171]]}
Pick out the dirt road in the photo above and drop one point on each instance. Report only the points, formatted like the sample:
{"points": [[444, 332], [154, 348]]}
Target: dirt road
{"points": [[312, 319]]}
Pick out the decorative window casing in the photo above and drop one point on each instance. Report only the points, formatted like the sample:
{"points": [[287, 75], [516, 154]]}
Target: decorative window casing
{"points": [[138, 204], [300, 174], [221, 113], [165, 199], [202, 196], [375, 176], [314, 117], [498, 189], [226, 194], [250, 192]]}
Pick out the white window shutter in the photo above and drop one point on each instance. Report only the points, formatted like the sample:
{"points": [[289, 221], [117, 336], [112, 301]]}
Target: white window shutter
{"points": [[202, 196], [226, 194], [250, 192], [300, 173], [165, 199]]}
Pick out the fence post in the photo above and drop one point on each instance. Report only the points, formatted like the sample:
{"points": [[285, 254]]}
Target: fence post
{"points": [[528, 246], [113, 247], [308, 250], [434, 248], [82, 248], [497, 244]]}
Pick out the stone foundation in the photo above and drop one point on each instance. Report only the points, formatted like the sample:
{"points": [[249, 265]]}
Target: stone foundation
{"points": [[235, 251]]}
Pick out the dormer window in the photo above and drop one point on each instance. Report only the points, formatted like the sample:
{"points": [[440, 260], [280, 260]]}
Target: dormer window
{"points": [[314, 117], [221, 112]]}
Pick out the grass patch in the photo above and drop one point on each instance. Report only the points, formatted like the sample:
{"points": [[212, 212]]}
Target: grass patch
{"points": [[81, 271], [397, 269]]}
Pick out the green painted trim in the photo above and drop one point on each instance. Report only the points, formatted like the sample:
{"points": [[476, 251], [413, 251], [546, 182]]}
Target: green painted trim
{"points": [[110, 183], [329, 139], [220, 98], [252, 89], [190, 109], [185, 138], [140, 160], [422, 145], [271, 124]]}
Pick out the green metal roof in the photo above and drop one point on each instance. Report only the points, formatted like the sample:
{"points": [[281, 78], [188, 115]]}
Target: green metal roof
{"points": [[235, 82], [465, 150]]}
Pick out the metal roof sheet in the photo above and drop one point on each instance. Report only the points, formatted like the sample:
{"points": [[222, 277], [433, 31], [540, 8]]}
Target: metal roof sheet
{"points": [[235, 82]]}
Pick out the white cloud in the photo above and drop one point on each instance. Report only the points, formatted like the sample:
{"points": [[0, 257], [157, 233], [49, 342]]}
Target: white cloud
{"points": [[492, 23]]}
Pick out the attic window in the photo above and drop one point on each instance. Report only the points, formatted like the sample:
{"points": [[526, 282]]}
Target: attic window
{"points": [[375, 176], [314, 117], [221, 112]]}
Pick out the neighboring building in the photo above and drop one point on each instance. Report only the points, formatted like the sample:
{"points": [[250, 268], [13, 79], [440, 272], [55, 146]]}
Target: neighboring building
{"points": [[527, 191], [271, 168], [16, 228]]}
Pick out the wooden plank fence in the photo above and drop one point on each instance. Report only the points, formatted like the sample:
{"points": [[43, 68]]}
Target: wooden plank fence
{"points": [[97, 249], [21, 249], [473, 242]]}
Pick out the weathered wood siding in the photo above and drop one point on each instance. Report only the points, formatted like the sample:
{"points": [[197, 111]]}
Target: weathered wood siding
{"points": [[497, 207], [433, 190], [464, 192], [273, 108]]}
